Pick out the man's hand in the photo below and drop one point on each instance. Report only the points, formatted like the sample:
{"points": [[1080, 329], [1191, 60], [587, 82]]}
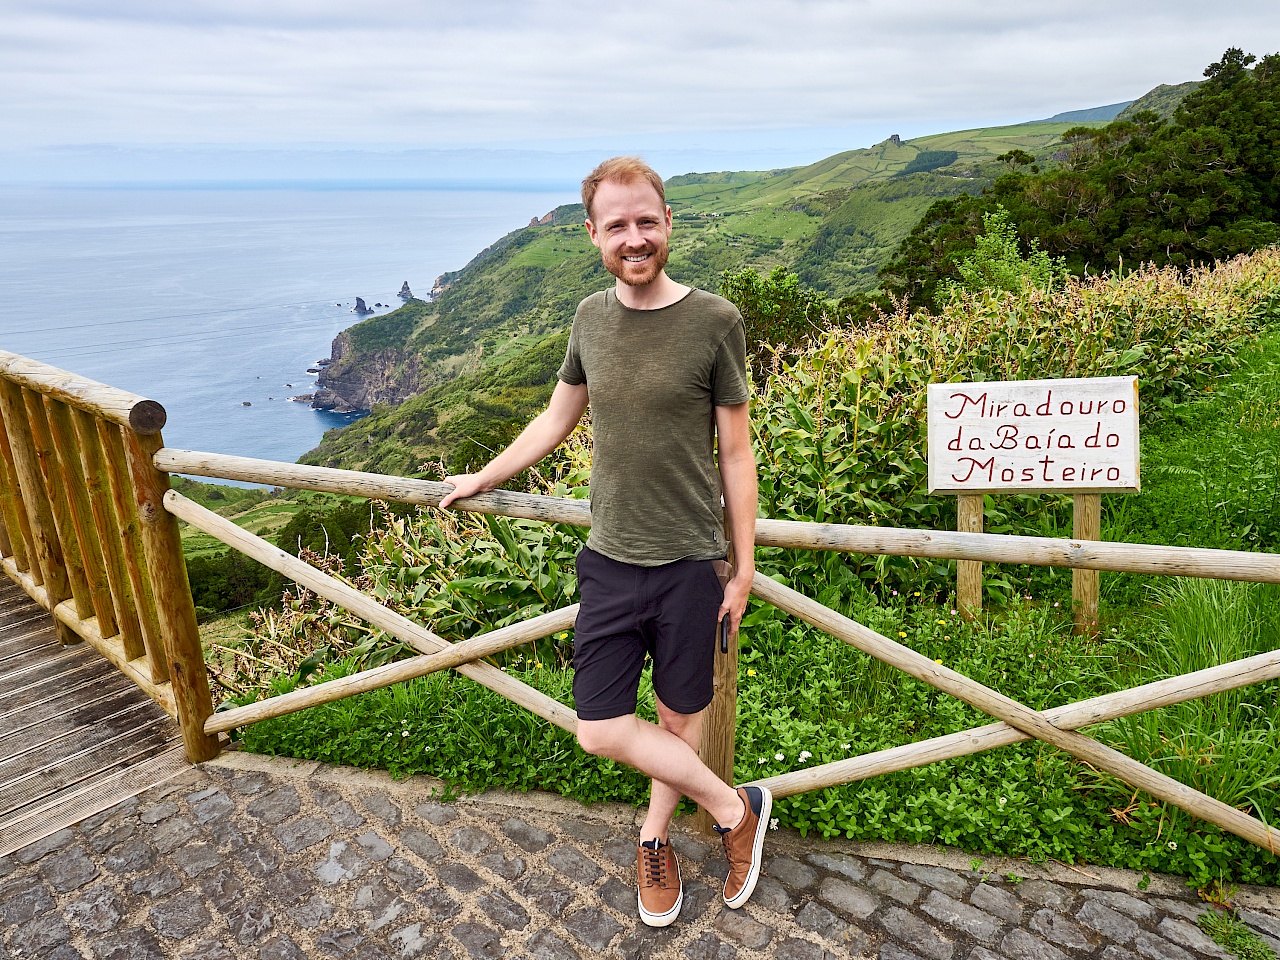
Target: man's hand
{"points": [[464, 485], [540, 437], [736, 592]]}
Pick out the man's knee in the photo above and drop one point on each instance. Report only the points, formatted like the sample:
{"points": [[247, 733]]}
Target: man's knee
{"points": [[683, 725], [604, 738]]}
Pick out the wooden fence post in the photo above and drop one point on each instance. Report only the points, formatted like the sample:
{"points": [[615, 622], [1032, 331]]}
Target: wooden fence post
{"points": [[55, 488], [110, 532], [121, 488], [15, 514], [71, 470], [162, 545], [720, 722], [969, 572], [1086, 524], [717, 747], [44, 535]]}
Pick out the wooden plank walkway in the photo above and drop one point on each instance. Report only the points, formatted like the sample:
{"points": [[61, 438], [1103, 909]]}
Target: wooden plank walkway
{"points": [[76, 736]]}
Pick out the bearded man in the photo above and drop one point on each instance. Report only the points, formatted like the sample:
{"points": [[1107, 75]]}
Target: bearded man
{"points": [[663, 366]]}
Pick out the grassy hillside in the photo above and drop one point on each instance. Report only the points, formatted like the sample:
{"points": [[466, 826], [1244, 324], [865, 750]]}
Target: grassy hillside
{"points": [[1162, 100], [528, 283], [257, 509], [463, 422], [835, 222]]}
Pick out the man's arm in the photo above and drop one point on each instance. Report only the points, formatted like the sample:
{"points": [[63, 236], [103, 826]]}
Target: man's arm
{"points": [[546, 432], [741, 500]]}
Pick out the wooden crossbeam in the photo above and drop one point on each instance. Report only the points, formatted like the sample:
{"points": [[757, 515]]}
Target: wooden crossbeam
{"points": [[1156, 559], [1071, 716], [1017, 715], [454, 655]]}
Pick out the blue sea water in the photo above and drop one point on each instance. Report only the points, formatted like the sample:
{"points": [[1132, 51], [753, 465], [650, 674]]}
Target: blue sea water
{"points": [[204, 299]]}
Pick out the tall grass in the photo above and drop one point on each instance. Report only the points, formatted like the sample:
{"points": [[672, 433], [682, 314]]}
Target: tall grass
{"points": [[1226, 745]]}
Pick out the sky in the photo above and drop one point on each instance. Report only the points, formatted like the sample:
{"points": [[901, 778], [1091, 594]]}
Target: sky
{"points": [[386, 89]]}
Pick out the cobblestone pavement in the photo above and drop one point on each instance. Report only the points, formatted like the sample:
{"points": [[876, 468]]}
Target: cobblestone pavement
{"points": [[247, 857]]}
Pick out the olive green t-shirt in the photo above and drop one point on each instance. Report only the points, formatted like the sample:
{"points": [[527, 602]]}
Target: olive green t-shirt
{"points": [[654, 378]]}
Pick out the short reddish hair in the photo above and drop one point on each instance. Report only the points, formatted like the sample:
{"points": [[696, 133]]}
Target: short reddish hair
{"points": [[620, 170]]}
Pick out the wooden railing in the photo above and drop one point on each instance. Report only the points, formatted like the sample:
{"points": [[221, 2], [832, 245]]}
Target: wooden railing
{"points": [[86, 535], [148, 461]]}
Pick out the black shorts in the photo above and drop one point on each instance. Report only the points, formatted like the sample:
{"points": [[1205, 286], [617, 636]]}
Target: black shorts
{"points": [[668, 612]]}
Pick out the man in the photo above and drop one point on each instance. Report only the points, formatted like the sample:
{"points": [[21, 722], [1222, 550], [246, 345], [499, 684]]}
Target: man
{"points": [[664, 368]]}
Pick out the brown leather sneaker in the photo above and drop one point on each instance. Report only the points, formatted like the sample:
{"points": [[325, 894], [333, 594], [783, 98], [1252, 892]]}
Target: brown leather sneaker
{"points": [[658, 879], [744, 844]]}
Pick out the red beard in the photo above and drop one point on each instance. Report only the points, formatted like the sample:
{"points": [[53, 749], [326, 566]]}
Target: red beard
{"points": [[637, 274]]}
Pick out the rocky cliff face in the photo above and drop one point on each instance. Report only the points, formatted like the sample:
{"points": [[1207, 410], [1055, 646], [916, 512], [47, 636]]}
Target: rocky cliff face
{"points": [[351, 382]]}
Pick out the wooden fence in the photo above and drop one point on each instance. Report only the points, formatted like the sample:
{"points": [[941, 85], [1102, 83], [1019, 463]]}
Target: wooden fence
{"points": [[40, 521], [86, 535]]}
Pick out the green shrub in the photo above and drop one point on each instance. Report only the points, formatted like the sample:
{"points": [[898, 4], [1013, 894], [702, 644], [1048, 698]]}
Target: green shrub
{"points": [[776, 310], [927, 160]]}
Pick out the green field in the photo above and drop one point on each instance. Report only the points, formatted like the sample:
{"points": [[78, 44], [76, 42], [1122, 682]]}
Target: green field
{"points": [[264, 519]]}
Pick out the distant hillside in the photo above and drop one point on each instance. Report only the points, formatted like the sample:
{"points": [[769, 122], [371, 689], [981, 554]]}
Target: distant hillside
{"points": [[1196, 190], [463, 421], [1163, 100], [1091, 115]]}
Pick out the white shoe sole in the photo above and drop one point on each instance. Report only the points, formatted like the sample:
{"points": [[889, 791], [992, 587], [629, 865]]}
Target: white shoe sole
{"points": [[748, 888], [660, 919]]}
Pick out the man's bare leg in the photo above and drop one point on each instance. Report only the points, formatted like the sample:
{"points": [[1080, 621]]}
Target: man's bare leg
{"points": [[664, 798], [665, 758]]}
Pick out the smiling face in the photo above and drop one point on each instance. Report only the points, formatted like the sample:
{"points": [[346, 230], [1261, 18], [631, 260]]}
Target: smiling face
{"points": [[630, 224]]}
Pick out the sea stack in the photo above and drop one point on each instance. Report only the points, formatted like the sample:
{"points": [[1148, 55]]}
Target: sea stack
{"points": [[405, 293], [360, 307]]}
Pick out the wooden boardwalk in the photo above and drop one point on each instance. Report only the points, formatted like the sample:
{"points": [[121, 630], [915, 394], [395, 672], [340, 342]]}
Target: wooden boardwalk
{"points": [[76, 735]]}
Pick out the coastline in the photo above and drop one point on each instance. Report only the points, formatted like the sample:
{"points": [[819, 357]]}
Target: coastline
{"points": [[204, 299]]}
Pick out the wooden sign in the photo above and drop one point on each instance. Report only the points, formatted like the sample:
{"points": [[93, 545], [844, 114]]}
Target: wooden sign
{"points": [[1064, 436]]}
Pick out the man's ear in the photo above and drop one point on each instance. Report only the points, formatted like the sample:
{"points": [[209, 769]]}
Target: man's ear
{"points": [[669, 218], [591, 231]]}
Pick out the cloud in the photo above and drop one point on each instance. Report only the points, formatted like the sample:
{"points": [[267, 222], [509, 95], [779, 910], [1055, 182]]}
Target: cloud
{"points": [[499, 72]]}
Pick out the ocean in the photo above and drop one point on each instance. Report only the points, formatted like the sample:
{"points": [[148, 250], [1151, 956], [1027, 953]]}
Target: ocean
{"points": [[210, 299]]}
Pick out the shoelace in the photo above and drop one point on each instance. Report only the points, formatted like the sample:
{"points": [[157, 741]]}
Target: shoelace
{"points": [[724, 838], [655, 866]]}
